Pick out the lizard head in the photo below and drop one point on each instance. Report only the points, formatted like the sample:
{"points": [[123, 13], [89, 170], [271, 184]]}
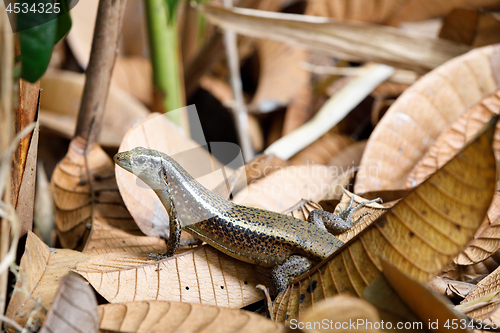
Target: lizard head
{"points": [[142, 162]]}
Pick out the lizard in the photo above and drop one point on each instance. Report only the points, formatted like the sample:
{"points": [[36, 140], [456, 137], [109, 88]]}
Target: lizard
{"points": [[270, 239]]}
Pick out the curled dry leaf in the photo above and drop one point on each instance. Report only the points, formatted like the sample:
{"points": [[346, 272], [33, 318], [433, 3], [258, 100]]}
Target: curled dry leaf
{"points": [[451, 288], [60, 102], [79, 200], [39, 274], [486, 240], [419, 235], [172, 317], [338, 310], [74, 309], [157, 132], [203, 275], [415, 120]]}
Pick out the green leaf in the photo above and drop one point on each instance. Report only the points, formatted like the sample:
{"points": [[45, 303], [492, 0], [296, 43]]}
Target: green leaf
{"points": [[38, 33]]}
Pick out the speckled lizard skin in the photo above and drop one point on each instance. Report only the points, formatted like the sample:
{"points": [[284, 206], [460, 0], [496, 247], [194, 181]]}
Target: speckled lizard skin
{"points": [[249, 234]]}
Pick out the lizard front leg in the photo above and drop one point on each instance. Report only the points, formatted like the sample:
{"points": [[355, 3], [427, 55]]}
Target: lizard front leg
{"points": [[293, 267], [338, 223], [172, 242]]}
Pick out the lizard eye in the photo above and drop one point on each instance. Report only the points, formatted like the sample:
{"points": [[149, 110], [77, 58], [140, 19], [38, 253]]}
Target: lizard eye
{"points": [[141, 160]]}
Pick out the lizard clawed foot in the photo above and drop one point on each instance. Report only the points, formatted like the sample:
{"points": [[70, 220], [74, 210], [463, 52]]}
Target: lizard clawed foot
{"points": [[344, 214]]}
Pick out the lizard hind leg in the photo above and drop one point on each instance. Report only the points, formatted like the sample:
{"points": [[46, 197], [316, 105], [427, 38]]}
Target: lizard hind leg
{"points": [[293, 267]]}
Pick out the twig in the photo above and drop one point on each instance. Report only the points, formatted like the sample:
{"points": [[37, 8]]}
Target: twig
{"points": [[98, 75], [239, 108]]}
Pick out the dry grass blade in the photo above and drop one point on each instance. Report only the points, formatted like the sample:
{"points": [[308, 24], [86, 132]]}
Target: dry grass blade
{"points": [[79, 200], [173, 317], [39, 274], [419, 115], [419, 235], [345, 40], [487, 240], [203, 275], [74, 309]]}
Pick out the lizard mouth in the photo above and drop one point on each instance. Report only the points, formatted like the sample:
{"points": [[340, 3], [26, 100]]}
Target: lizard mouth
{"points": [[122, 160]]}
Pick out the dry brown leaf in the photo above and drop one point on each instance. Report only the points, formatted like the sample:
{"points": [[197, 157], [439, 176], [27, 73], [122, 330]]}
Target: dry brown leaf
{"points": [[299, 110], [60, 102], [106, 238], [482, 303], [419, 115], [342, 39], [157, 132], [302, 209], [374, 209], [338, 310], [419, 10], [322, 150], [445, 147], [203, 275], [286, 186], [74, 309], [260, 166], [349, 157], [39, 274], [280, 75], [429, 307], [419, 235], [162, 316], [79, 200], [451, 288], [471, 27], [135, 76]]}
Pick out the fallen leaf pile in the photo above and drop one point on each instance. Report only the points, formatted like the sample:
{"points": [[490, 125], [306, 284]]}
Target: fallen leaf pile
{"points": [[425, 138]]}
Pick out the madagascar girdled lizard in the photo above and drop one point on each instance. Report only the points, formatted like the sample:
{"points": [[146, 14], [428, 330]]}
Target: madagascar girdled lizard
{"points": [[253, 235]]}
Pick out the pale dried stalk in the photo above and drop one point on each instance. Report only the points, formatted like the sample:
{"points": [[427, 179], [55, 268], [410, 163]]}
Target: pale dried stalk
{"points": [[240, 112], [399, 76], [346, 40]]}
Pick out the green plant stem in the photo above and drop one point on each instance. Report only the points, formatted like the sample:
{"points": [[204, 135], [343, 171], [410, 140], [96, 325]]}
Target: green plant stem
{"points": [[164, 48]]}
